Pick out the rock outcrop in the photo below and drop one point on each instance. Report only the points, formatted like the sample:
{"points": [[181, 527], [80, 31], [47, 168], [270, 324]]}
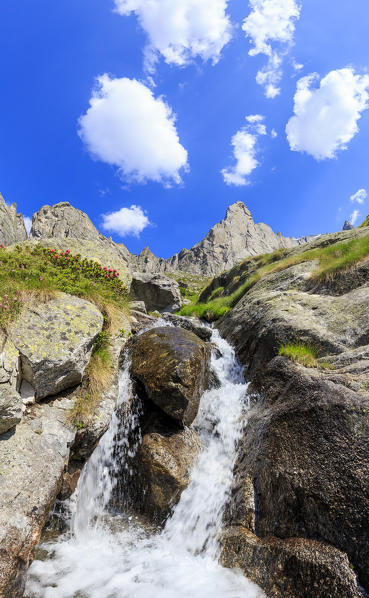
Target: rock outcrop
{"points": [[303, 462], [62, 221], [10, 399], [172, 366], [12, 228], [54, 341], [228, 242], [289, 568], [158, 292], [38, 456], [347, 225], [64, 227], [32, 460]]}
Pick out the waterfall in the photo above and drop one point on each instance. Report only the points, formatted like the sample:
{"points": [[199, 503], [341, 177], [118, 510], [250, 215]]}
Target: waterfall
{"points": [[106, 555]]}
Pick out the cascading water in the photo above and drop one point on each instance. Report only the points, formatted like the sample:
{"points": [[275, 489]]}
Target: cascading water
{"points": [[106, 556]]}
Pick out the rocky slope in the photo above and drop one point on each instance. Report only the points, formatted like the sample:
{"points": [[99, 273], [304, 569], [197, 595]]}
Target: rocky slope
{"points": [[45, 354], [298, 519], [12, 229]]}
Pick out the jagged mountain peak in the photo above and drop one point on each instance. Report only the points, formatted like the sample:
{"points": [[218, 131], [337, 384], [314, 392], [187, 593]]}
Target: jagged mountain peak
{"points": [[12, 228]]}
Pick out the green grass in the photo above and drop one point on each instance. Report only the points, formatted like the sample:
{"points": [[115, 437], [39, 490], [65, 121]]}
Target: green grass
{"points": [[306, 355], [303, 354], [98, 379], [333, 260], [38, 273]]}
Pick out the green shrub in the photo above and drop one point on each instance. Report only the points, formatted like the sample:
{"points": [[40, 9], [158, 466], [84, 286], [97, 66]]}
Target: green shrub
{"points": [[40, 273]]}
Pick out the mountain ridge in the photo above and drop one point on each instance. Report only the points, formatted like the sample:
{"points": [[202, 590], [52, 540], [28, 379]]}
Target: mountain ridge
{"points": [[229, 241]]}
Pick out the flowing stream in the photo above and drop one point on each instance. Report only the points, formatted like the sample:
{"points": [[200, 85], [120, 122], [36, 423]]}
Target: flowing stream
{"points": [[104, 555]]}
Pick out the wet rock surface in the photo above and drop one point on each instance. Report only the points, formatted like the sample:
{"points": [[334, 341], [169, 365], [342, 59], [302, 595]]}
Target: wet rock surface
{"points": [[164, 465], [192, 324], [293, 568], [172, 366]]}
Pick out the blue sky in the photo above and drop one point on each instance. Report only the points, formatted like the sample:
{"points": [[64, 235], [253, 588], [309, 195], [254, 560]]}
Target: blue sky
{"points": [[182, 174]]}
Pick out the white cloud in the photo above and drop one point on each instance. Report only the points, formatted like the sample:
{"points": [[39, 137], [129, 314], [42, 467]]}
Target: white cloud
{"points": [[127, 221], [270, 26], [360, 196], [27, 223], [180, 30], [354, 216], [326, 117], [245, 151], [127, 127]]}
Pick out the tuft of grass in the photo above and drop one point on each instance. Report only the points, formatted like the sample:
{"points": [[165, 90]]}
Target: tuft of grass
{"points": [[216, 293], [297, 352], [98, 376], [306, 355], [333, 261]]}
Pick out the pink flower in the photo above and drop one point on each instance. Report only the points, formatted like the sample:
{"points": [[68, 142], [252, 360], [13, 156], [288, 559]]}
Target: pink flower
{"points": [[105, 268], [66, 257], [110, 270], [52, 250], [106, 275]]}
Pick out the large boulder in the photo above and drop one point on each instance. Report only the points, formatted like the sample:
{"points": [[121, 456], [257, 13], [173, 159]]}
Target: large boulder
{"points": [[10, 399], [192, 324], [306, 450], [55, 341], [164, 465], [12, 228], [172, 366], [290, 568], [158, 292]]}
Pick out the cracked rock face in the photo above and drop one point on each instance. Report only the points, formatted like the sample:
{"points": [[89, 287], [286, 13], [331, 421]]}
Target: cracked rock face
{"points": [[55, 341], [10, 399], [62, 221], [12, 229]]}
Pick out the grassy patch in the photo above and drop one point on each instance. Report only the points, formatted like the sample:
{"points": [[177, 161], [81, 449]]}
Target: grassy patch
{"points": [[306, 355], [303, 354], [37, 272], [333, 260], [98, 376], [365, 223]]}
